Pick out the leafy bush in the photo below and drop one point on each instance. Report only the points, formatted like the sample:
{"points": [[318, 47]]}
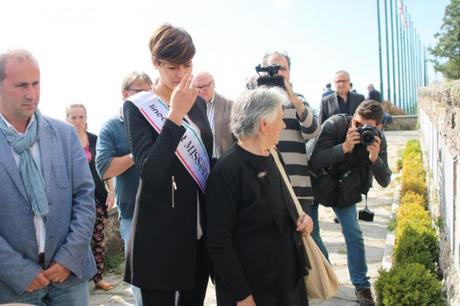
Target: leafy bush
{"points": [[412, 146], [417, 244], [411, 214], [391, 109], [408, 284], [414, 175], [412, 197]]}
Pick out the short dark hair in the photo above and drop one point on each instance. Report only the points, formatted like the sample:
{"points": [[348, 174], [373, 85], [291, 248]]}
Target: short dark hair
{"points": [[370, 110], [171, 44], [280, 53]]}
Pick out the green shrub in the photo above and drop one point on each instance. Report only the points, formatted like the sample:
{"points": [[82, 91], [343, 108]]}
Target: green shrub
{"points": [[417, 244], [412, 197], [414, 175], [408, 285], [412, 146], [411, 214]]}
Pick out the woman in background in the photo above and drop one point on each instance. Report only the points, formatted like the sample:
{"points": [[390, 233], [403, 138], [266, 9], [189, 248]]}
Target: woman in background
{"points": [[76, 116]]}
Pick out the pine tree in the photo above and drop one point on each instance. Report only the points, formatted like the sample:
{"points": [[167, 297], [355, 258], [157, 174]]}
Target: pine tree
{"points": [[447, 49]]}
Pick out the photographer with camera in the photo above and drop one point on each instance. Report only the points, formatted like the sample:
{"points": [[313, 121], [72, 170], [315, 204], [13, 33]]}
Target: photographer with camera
{"points": [[349, 152], [301, 125]]}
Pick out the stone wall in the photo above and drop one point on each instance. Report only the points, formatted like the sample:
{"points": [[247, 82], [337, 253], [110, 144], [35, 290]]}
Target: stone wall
{"points": [[402, 123], [439, 119]]}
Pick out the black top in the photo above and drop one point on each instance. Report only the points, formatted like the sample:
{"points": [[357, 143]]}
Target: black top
{"points": [[100, 192], [252, 241], [328, 150], [162, 249], [344, 105]]}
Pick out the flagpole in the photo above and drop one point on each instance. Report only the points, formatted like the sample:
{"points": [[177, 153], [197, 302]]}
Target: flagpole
{"points": [[380, 49], [387, 50], [393, 52], [398, 51]]}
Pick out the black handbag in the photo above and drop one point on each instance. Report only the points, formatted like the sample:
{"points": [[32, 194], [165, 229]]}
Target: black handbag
{"points": [[331, 191]]}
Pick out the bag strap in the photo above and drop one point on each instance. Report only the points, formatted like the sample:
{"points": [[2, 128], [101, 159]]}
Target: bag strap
{"points": [[276, 157]]}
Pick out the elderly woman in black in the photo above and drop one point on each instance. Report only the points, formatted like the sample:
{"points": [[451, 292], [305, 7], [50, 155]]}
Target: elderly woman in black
{"points": [[171, 144], [253, 229]]}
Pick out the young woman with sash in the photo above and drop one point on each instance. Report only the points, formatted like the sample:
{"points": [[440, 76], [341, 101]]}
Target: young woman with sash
{"points": [[171, 144]]}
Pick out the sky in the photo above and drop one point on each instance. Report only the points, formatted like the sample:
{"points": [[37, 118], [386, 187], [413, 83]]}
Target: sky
{"points": [[85, 48]]}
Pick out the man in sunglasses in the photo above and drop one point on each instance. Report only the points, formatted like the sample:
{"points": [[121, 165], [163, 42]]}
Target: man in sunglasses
{"points": [[353, 147], [218, 109]]}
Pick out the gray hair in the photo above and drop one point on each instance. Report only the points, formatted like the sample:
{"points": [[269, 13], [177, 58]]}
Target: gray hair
{"points": [[133, 77], [253, 105], [343, 72], [19, 54]]}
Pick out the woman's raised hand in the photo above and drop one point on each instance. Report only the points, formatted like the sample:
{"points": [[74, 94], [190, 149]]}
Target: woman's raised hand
{"points": [[182, 99]]}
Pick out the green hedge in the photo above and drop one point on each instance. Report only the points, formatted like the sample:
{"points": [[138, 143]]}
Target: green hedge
{"points": [[409, 285], [412, 279]]}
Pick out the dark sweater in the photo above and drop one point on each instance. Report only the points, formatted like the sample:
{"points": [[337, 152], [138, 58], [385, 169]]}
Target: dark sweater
{"points": [[251, 233], [162, 253]]}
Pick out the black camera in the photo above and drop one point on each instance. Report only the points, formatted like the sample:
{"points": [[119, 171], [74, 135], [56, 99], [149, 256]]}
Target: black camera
{"points": [[366, 215], [367, 134], [270, 78]]}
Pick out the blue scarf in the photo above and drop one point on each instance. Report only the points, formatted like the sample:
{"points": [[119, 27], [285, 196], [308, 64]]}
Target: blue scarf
{"points": [[31, 175]]}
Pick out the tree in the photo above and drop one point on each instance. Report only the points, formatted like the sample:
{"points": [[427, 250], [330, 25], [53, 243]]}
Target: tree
{"points": [[447, 49]]}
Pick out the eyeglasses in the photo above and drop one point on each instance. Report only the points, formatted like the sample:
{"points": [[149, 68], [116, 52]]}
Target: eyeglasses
{"points": [[205, 87], [342, 81]]}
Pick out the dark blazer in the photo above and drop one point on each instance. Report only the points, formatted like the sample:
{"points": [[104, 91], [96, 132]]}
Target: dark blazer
{"points": [[100, 192], [162, 247], [375, 95], [222, 135], [330, 105]]}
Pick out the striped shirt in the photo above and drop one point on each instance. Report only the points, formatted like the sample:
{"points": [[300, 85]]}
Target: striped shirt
{"points": [[292, 147]]}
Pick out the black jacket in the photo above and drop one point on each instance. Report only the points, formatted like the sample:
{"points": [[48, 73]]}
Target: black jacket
{"points": [[330, 105], [100, 192], [162, 250], [328, 151]]}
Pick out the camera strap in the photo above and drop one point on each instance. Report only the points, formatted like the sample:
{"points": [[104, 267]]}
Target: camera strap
{"points": [[365, 201]]}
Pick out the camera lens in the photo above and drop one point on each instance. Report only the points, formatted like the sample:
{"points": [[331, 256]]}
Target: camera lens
{"points": [[367, 138]]}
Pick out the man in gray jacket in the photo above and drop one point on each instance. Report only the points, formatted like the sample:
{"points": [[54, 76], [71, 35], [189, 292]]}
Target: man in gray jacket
{"points": [[47, 207], [342, 148]]}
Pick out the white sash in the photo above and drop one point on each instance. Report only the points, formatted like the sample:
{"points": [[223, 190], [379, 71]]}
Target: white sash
{"points": [[190, 151]]}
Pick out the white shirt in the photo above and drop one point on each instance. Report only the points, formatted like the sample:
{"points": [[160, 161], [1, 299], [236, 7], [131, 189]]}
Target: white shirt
{"points": [[210, 113], [40, 229]]}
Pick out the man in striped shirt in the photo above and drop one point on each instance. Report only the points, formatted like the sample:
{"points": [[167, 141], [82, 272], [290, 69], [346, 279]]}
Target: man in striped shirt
{"points": [[301, 125]]}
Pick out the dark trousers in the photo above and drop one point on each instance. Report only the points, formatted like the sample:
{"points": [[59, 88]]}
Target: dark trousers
{"points": [[183, 297], [296, 297]]}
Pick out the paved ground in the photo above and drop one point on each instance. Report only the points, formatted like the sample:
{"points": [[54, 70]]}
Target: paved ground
{"points": [[375, 233]]}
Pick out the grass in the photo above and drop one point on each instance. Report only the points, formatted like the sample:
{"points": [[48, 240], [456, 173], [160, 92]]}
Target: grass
{"points": [[113, 263]]}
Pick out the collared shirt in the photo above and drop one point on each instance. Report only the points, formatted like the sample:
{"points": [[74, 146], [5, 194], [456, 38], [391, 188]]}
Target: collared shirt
{"points": [[210, 106], [40, 229], [344, 105]]}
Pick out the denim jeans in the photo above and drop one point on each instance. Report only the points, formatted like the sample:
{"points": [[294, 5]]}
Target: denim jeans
{"points": [[76, 295], [125, 232], [312, 211], [356, 257]]}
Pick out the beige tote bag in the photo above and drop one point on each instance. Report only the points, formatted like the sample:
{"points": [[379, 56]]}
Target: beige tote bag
{"points": [[321, 282]]}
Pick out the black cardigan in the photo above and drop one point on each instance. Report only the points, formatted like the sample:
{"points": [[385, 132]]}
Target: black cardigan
{"points": [[162, 250], [100, 192]]}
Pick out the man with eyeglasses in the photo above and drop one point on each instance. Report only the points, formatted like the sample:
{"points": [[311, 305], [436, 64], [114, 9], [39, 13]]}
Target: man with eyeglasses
{"points": [[218, 109], [344, 152], [114, 159], [343, 101]]}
